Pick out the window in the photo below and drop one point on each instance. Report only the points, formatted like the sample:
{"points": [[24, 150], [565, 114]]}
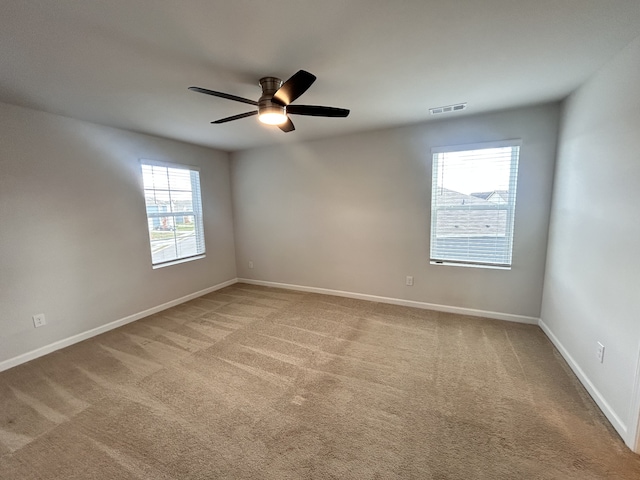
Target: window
{"points": [[174, 212], [473, 201]]}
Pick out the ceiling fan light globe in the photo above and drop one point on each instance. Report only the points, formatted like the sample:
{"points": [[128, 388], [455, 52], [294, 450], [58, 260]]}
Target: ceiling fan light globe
{"points": [[272, 118]]}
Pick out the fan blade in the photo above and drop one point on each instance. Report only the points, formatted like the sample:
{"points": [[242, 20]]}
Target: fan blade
{"points": [[317, 111], [294, 87], [236, 117], [288, 126], [223, 95]]}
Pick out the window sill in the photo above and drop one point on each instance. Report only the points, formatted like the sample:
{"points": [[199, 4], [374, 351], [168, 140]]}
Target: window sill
{"points": [[470, 265], [176, 262]]}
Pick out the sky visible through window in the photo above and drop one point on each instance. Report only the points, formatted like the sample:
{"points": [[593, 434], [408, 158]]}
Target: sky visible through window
{"points": [[473, 171], [158, 178]]}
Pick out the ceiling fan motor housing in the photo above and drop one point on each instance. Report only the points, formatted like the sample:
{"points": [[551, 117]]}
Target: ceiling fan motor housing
{"points": [[270, 85]]}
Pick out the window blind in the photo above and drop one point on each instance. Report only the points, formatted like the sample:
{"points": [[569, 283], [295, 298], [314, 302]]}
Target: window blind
{"points": [[174, 211], [473, 204]]}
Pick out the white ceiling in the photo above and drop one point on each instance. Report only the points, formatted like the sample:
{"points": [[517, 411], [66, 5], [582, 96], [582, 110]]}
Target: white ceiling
{"points": [[128, 63]]}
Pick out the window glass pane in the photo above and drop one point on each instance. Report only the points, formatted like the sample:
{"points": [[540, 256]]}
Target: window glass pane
{"points": [[158, 178], [456, 223], [163, 239], [158, 201], [185, 224], [174, 212], [187, 243], [473, 205], [182, 201], [179, 179], [475, 172]]}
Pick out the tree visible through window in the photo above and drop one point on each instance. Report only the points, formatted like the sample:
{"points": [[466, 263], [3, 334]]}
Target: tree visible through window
{"points": [[473, 204], [174, 211]]}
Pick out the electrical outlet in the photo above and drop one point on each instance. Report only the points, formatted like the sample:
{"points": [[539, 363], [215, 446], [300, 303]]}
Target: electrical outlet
{"points": [[600, 352], [250, 264], [39, 320], [409, 281]]}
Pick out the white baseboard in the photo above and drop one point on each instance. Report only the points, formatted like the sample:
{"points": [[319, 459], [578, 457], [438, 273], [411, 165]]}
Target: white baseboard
{"points": [[52, 347], [397, 301], [611, 415], [634, 412]]}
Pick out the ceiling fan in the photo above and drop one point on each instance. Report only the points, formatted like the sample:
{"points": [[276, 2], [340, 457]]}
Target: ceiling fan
{"points": [[274, 106]]}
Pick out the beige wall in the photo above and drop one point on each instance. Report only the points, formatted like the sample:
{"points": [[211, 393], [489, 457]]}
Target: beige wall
{"points": [[352, 213], [73, 238], [592, 284]]}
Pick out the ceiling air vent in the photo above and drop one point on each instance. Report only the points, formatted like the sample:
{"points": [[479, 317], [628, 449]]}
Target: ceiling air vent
{"points": [[449, 108]]}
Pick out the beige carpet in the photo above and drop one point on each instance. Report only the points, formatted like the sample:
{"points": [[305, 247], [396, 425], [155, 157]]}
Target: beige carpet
{"points": [[253, 382]]}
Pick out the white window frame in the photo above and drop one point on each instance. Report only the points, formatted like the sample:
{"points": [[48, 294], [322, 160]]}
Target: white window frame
{"points": [[196, 212], [509, 207]]}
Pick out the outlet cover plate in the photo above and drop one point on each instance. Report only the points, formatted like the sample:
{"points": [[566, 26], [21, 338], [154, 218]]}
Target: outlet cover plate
{"points": [[39, 320]]}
